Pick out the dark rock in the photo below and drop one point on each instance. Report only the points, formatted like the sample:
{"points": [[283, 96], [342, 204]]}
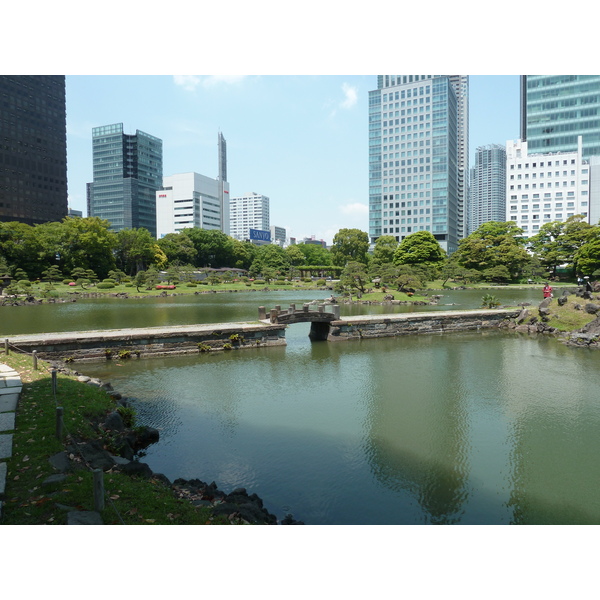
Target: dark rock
{"points": [[592, 308], [60, 462], [144, 436], [53, 480], [124, 449], [114, 422], [95, 455], [562, 300], [162, 478], [136, 469], [593, 327], [84, 517], [289, 520]]}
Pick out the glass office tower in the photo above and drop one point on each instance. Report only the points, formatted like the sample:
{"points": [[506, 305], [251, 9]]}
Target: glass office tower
{"points": [[33, 148], [487, 189], [415, 141], [127, 173], [555, 109]]}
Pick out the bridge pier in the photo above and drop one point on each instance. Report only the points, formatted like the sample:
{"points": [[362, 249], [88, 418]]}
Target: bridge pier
{"points": [[319, 331]]}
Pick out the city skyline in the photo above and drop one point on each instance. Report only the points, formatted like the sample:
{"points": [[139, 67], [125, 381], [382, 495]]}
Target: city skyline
{"points": [[298, 139]]}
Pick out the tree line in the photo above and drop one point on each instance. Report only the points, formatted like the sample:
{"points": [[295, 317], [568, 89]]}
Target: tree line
{"points": [[496, 252], [58, 250]]}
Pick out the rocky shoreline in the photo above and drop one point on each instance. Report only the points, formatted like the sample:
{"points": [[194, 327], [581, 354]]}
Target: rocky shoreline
{"points": [[588, 336], [117, 448]]}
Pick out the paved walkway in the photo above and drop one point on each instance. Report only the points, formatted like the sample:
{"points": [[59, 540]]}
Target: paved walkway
{"points": [[10, 388]]}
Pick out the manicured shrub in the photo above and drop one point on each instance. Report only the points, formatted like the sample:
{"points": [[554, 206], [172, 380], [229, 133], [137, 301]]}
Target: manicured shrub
{"points": [[105, 285]]}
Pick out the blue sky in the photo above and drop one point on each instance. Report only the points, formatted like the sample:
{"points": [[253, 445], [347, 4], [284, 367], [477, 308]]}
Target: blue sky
{"points": [[301, 140]]}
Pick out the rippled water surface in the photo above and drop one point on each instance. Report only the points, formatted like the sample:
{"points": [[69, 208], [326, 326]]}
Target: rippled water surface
{"points": [[469, 428]]}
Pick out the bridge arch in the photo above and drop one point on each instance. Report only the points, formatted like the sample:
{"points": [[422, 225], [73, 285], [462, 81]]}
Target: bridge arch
{"points": [[319, 319]]}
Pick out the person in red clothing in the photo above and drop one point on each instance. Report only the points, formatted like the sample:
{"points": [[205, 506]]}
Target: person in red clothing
{"points": [[547, 291]]}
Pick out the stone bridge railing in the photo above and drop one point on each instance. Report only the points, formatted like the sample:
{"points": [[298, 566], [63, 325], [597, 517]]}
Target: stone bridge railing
{"points": [[305, 315]]}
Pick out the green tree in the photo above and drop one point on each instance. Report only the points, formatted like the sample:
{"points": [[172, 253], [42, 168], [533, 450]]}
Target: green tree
{"points": [[78, 242], [139, 280], [587, 258], [295, 256], [355, 277], [494, 243], [315, 255], [384, 249], [419, 247], [350, 245], [20, 248], [136, 250], [270, 257], [52, 273], [557, 242], [409, 278], [242, 254], [178, 248], [213, 247]]}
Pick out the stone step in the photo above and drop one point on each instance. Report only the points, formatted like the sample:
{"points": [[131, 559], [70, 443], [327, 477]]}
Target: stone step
{"points": [[3, 471], [8, 402], [7, 421], [6, 440], [6, 391], [10, 381]]}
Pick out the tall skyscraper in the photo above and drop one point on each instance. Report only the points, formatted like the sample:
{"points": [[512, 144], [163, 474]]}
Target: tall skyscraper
{"points": [[33, 148], [418, 156], [223, 185], [127, 173], [556, 109], [487, 189], [249, 212]]}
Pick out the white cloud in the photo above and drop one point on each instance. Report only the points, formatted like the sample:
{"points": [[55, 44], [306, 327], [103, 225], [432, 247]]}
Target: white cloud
{"points": [[354, 209], [187, 82], [191, 82], [351, 96]]}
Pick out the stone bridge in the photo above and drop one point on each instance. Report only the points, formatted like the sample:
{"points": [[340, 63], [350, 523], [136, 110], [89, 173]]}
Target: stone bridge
{"points": [[319, 318]]}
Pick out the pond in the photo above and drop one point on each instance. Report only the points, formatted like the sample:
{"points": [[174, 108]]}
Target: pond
{"points": [[468, 428]]}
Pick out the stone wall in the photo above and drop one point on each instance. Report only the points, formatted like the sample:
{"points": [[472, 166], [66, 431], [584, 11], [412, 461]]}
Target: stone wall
{"points": [[362, 327], [94, 345]]}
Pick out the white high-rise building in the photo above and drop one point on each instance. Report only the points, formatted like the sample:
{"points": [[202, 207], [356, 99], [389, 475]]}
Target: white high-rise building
{"points": [[541, 188], [248, 212], [191, 200], [278, 235]]}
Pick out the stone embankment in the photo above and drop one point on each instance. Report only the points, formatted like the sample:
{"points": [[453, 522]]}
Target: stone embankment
{"points": [[376, 326], [117, 448]]}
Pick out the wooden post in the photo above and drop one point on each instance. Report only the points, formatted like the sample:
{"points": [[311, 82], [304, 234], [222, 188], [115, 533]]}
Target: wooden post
{"points": [[6, 346], [59, 422], [53, 381], [98, 489], [34, 355]]}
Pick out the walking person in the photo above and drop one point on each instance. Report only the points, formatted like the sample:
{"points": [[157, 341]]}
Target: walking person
{"points": [[547, 291]]}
